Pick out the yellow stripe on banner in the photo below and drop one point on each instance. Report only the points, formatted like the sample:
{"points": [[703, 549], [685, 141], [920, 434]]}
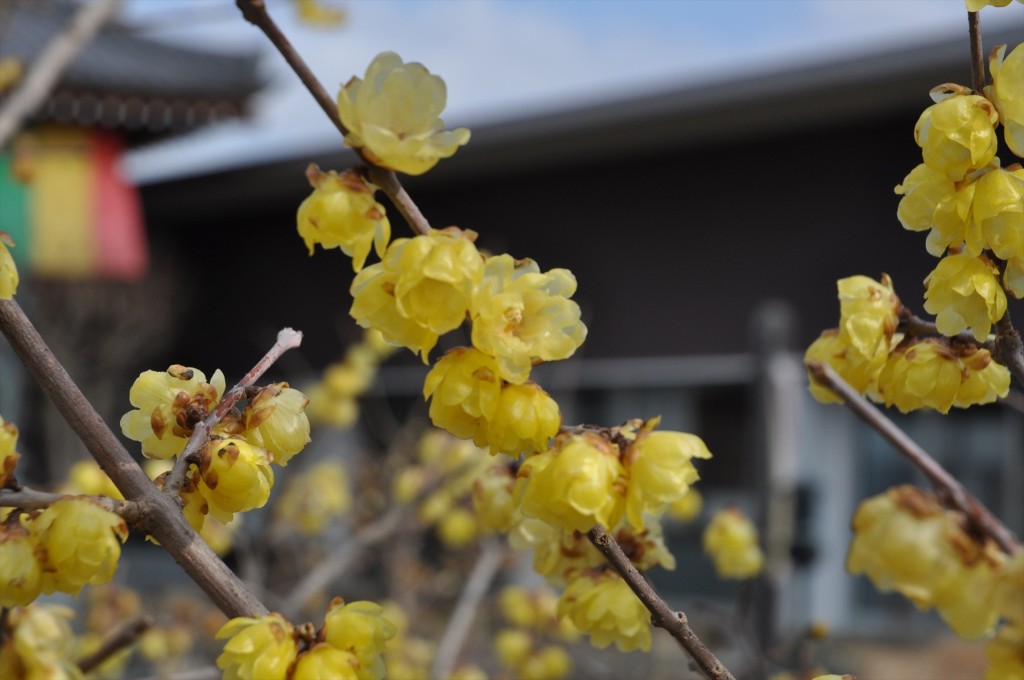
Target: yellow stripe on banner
{"points": [[62, 211]]}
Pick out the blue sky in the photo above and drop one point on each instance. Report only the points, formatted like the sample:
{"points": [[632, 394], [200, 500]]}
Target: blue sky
{"points": [[507, 58]]}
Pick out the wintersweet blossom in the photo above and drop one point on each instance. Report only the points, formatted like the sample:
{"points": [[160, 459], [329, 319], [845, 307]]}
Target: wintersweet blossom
{"points": [[166, 404], [1007, 93], [660, 469], [957, 134], [464, 389], [524, 422], [261, 648], [982, 379], [603, 606], [868, 312], [978, 5], [731, 541], [932, 202], [81, 541], [342, 213], [8, 456], [275, 420], [521, 315], [8, 271], [40, 644], [326, 662], [21, 573], [963, 292], [392, 116], [998, 211], [925, 373], [361, 628], [556, 553], [861, 373], [574, 486], [1013, 277], [235, 477], [492, 498], [905, 541]]}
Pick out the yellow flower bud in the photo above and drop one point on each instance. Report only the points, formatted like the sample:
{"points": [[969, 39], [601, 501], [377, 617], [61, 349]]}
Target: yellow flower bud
{"points": [[258, 648], [524, 422], [731, 541], [521, 315], [458, 528], [81, 541], [8, 456], [660, 470], [464, 389], [513, 646], [275, 420], [8, 271], [342, 213], [998, 210], [964, 292], [868, 314], [932, 201], [832, 349], [392, 116], [905, 541], [957, 134], [1007, 93], [360, 627], [236, 477], [982, 379], [602, 606], [324, 662], [21, 574], [576, 485], [166, 404]]}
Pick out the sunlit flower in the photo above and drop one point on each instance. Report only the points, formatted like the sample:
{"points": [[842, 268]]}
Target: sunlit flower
{"points": [[957, 134], [982, 379], [868, 314], [732, 542], [521, 315], [326, 662], [275, 420], [236, 477], [360, 627], [832, 349], [464, 389], [524, 422], [21, 574], [392, 116], [82, 543], [932, 201], [258, 649], [964, 292], [998, 211], [1007, 93], [602, 606], [925, 373]]}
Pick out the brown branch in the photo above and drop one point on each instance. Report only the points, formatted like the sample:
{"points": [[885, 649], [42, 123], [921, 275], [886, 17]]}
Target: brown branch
{"points": [[949, 487], [460, 623], [121, 638], [977, 56], [51, 63], [286, 339], [30, 499], [162, 514], [255, 12], [662, 615]]}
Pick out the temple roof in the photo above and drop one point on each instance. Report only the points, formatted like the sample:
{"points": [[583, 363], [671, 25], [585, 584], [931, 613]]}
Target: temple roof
{"points": [[145, 88]]}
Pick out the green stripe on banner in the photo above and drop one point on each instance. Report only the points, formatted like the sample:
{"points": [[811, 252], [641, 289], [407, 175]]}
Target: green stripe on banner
{"points": [[14, 211]]}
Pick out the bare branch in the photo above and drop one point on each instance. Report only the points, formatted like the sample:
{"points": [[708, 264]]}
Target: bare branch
{"points": [[461, 621], [286, 339], [662, 615], [948, 485], [30, 499], [161, 514], [977, 55], [255, 12], [123, 637], [51, 64]]}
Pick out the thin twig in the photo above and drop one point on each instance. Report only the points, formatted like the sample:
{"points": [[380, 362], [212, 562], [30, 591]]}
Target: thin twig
{"points": [[977, 56], [255, 12], [286, 339], [461, 621], [161, 514], [123, 637], [51, 64], [30, 499], [662, 615], [948, 485]]}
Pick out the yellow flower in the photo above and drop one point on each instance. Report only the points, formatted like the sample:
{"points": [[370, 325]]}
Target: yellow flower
{"points": [[21, 574], [315, 499], [731, 541], [458, 528], [977, 5], [524, 422], [1013, 277], [933, 201], [687, 508], [513, 646], [868, 314], [80, 540], [342, 213], [41, 643], [1005, 654], [998, 210], [275, 421], [8, 456], [392, 116], [360, 627], [574, 486], [492, 498], [235, 477], [964, 292], [1009, 596], [556, 553], [421, 290], [8, 271], [982, 379], [464, 390], [521, 315], [258, 649], [324, 662], [905, 541], [86, 477], [316, 13], [832, 349], [602, 606], [1007, 93], [549, 663], [660, 469], [165, 404], [921, 374], [957, 134]]}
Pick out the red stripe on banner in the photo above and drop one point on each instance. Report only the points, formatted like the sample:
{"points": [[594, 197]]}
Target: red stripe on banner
{"points": [[117, 221]]}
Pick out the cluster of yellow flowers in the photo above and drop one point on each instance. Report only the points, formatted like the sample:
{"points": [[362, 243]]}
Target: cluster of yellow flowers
{"points": [[904, 540], [349, 646], [333, 400], [524, 649], [38, 643], [907, 372], [315, 498], [731, 541], [234, 472]]}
